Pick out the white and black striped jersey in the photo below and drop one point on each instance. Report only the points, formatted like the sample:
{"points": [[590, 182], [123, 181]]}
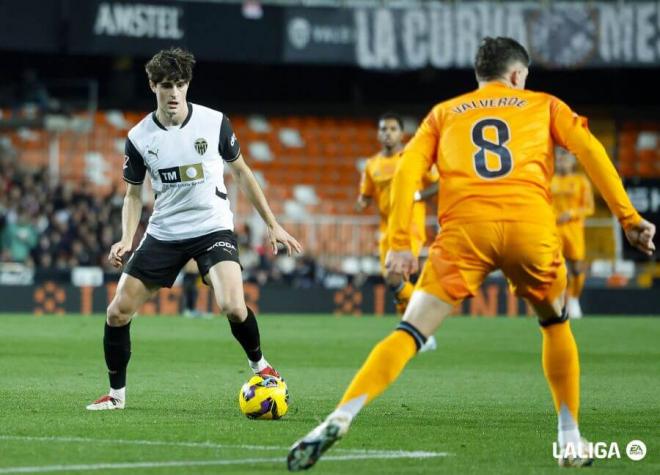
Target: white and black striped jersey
{"points": [[186, 165]]}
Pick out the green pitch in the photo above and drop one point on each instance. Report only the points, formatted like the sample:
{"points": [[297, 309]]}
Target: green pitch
{"points": [[479, 404]]}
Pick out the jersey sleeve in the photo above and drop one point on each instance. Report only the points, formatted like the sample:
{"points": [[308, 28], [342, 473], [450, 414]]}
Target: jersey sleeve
{"points": [[134, 167], [418, 156], [228, 145], [570, 131], [430, 177], [587, 199], [367, 187]]}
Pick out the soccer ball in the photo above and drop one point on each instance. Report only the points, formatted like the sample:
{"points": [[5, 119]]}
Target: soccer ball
{"points": [[264, 398]]}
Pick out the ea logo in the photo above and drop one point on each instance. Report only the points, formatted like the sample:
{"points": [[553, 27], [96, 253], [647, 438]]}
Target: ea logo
{"points": [[300, 32], [636, 450]]}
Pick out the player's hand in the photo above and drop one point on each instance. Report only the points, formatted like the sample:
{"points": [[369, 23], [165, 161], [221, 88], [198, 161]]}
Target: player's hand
{"points": [[401, 262], [641, 236], [277, 234], [564, 217], [117, 252], [360, 205]]}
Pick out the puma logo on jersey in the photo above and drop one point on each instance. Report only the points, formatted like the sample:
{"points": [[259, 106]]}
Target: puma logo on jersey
{"points": [[151, 152]]}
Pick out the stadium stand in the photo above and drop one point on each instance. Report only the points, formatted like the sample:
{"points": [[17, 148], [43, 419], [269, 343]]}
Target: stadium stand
{"points": [[309, 165]]}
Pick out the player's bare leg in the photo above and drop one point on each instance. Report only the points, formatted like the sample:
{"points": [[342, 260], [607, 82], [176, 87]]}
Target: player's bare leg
{"points": [[403, 290], [562, 370], [227, 281], [423, 316], [131, 293]]}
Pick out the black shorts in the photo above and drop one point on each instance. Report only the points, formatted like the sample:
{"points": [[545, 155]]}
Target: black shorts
{"points": [[158, 263]]}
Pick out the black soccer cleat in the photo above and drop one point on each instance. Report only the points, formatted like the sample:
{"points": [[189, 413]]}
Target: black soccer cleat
{"points": [[308, 450]]}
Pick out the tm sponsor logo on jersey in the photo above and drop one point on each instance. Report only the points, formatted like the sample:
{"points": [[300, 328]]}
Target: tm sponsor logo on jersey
{"points": [[225, 246], [183, 173]]}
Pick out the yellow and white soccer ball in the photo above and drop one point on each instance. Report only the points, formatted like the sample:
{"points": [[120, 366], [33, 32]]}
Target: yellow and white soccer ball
{"points": [[264, 398]]}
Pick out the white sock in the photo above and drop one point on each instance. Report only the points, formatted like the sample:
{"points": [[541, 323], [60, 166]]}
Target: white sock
{"points": [[430, 345], [118, 393], [351, 408], [260, 365], [567, 428]]}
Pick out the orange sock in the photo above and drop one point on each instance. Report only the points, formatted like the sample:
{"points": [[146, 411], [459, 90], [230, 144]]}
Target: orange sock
{"points": [[561, 367], [577, 284], [570, 280], [382, 368], [405, 292]]}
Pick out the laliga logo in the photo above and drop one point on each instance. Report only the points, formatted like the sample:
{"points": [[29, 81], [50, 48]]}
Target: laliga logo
{"points": [[635, 450]]}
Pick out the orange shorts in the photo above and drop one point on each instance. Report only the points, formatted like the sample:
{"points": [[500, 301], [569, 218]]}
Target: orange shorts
{"points": [[417, 241], [462, 255], [572, 239]]}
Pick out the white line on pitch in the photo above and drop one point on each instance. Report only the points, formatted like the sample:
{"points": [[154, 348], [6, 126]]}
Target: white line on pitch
{"points": [[202, 463], [212, 445]]}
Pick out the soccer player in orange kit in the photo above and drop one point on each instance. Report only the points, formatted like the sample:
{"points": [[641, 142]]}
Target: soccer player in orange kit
{"points": [[572, 200], [493, 148], [375, 185]]}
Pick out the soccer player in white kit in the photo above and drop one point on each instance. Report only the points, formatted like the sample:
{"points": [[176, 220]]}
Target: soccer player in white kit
{"points": [[184, 148]]}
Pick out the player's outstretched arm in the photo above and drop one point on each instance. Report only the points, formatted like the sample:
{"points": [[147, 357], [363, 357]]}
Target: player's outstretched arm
{"points": [[427, 192], [130, 218], [362, 203], [250, 186], [418, 156], [570, 131]]}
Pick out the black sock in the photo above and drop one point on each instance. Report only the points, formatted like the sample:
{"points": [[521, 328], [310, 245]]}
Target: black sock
{"points": [[247, 334], [413, 332], [117, 347], [190, 291]]}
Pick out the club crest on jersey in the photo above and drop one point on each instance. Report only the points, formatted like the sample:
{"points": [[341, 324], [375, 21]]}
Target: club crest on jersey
{"points": [[201, 145], [182, 174]]}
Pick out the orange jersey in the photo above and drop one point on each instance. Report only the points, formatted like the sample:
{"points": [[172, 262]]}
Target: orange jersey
{"points": [[377, 180], [572, 194], [493, 148]]}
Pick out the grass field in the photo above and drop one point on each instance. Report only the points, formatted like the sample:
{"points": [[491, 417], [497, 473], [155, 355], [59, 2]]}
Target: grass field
{"points": [[479, 404]]}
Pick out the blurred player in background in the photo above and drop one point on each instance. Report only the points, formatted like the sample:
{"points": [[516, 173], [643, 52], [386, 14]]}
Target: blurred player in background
{"points": [[573, 201], [184, 148], [375, 185], [494, 151], [191, 280]]}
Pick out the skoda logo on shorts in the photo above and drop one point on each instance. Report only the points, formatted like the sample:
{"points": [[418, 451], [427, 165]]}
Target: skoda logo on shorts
{"points": [[201, 145]]}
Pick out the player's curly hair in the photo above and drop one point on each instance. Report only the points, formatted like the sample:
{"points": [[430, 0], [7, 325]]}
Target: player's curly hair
{"points": [[495, 55], [175, 64]]}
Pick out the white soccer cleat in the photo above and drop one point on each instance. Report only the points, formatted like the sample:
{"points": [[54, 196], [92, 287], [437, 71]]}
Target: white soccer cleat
{"points": [[430, 345], [574, 309], [106, 403], [307, 451], [576, 456]]}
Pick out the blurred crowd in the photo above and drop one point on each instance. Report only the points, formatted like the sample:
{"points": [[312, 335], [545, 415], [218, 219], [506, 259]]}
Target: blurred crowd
{"points": [[50, 225], [54, 227]]}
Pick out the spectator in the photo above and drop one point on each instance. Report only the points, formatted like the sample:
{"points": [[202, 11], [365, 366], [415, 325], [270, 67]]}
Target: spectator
{"points": [[19, 238]]}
